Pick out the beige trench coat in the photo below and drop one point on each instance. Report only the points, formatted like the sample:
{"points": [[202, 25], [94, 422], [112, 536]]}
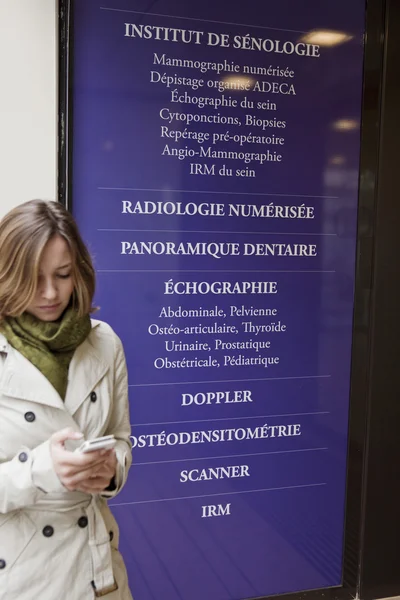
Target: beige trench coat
{"points": [[56, 544]]}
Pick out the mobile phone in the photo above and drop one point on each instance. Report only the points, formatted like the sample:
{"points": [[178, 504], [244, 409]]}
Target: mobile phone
{"points": [[101, 443]]}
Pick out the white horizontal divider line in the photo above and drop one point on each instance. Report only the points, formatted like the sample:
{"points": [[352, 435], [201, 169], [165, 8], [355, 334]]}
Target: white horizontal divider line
{"points": [[325, 412], [218, 232], [231, 380], [129, 189], [289, 487], [178, 460], [151, 14], [207, 271]]}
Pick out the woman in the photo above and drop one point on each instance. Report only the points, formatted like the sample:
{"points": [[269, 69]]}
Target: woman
{"points": [[62, 379]]}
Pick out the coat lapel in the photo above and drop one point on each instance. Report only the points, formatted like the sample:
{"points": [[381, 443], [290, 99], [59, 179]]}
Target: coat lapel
{"points": [[21, 379], [85, 371]]}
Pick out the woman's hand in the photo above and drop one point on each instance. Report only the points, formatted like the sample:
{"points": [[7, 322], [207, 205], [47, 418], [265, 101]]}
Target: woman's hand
{"points": [[74, 469], [102, 476]]}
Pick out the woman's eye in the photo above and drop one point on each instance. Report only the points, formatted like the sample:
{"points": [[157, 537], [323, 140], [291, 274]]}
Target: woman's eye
{"points": [[64, 276]]}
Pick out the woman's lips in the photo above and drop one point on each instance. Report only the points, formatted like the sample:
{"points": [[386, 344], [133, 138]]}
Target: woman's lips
{"points": [[51, 307]]}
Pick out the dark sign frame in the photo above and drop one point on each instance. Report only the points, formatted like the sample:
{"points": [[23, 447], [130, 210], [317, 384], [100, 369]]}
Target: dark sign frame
{"points": [[360, 402]]}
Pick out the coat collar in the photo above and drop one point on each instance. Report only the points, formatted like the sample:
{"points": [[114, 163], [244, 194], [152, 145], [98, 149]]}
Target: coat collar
{"points": [[85, 371], [21, 379]]}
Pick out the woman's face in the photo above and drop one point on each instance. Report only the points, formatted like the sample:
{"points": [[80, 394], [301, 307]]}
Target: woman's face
{"points": [[55, 285]]}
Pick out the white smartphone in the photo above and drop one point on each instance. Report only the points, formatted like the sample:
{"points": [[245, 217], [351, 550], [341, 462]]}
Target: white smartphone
{"points": [[101, 443]]}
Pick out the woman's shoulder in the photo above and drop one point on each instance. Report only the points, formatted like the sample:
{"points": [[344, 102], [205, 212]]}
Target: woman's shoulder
{"points": [[102, 327], [102, 334]]}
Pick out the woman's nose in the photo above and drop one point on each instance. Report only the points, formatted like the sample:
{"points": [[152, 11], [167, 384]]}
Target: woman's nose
{"points": [[49, 290]]}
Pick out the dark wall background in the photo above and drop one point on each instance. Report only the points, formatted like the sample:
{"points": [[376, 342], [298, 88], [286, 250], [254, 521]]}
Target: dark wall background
{"points": [[380, 547]]}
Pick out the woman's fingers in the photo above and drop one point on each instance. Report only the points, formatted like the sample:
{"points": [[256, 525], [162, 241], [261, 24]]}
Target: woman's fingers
{"points": [[100, 477], [103, 469], [74, 467], [60, 437], [94, 485], [72, 480], [81, 461]]}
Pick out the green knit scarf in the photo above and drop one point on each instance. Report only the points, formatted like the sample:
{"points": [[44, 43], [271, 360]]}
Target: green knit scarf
{"points": [[49, 346]]}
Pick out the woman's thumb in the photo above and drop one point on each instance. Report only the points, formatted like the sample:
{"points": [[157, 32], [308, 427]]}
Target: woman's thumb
{"points": [[65, 434]]}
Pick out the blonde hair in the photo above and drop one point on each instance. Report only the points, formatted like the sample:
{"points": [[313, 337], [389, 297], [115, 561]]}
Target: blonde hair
{"points": [[24, 233]]}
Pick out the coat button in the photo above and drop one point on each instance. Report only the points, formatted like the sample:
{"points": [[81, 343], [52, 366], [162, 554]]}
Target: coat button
{"points": [[111, 536], [30, 417], [83, 522], [93, 397], [2, 563], [48, 531], [22, 457]]}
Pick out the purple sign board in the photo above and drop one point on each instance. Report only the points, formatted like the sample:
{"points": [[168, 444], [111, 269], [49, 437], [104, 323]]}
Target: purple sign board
{"points": [[215, 160]]}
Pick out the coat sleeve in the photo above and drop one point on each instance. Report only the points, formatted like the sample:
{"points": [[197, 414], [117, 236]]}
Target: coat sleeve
{"points": [[119, 424], [27, 478]]}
